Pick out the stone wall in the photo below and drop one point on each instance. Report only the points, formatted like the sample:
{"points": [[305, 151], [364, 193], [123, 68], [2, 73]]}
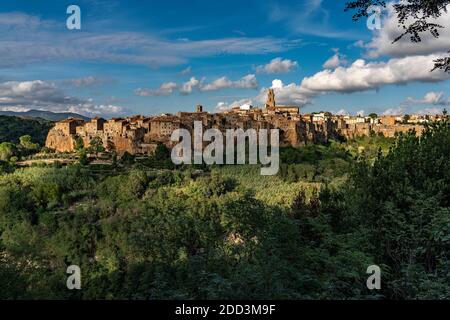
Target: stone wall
{"points": [[389, 131], [140, 135]]}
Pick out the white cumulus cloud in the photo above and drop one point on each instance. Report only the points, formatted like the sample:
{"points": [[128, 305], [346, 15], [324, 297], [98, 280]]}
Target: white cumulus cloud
{"points": [[224, 106], [247, 82], [187, 87], [278, 65], [397, 111], [362, 75], [431, 98], [335, 61], [45, 95], [166, 89], [430, 111]]}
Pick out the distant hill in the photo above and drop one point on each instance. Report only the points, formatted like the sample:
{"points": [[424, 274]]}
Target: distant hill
{"points": [[12, 128], [47, 115]]}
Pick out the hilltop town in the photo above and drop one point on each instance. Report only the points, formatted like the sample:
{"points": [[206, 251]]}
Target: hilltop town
{"points": [[139, 135]]}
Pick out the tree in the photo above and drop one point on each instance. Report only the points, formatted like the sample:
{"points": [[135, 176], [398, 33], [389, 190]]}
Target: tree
{"points": [[25, 141], [11, 128], [161, 158], [5, 167], [373, 115], [78, 143], [127, 158], [27, 146], [419, 11], [442, 64], [135, 187], [96, 144], [6, 151], [445, 112], [402, 204], [83, 159]]}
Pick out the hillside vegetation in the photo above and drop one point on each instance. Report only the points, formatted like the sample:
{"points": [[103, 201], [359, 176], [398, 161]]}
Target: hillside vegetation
{"points": [[144, 230], [12, 128]]}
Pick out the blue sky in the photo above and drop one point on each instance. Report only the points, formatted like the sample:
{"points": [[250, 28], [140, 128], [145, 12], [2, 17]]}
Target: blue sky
{"points": [[157, 57]]}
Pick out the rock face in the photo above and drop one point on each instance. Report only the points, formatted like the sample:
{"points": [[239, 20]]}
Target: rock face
{"points": [[60, 141], [140, 135], [116, 135], [389, 131], [62, 137]]}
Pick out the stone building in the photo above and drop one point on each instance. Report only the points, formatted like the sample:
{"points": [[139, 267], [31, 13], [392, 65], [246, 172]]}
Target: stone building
{"points": [[272, 108], [140, 135], [61, 136], [388, 120], [164, 126]]}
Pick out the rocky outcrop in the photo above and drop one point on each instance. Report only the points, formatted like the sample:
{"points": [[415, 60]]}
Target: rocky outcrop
{"points": [[59, 141], [389, 131]]}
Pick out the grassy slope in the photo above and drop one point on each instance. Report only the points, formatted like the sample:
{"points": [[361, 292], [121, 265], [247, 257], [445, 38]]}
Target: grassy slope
{"points": [[272, 190], [307, 168]]}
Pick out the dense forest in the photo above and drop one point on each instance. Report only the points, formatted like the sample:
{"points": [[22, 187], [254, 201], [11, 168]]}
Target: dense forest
{"points": [[11, 128], [143, 229]]}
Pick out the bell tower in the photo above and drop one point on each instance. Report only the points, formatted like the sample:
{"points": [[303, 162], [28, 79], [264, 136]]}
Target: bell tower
{"points": [[270, 99]]}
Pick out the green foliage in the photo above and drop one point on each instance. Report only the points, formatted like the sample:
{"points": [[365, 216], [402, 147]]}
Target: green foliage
{"points": [[26, 143], [272, 190], [315, 163], [82, 157], [78, 143], [160, 159], [6, 167], [311, 154], [232, 233], [96, 145], [127, 158], [403, 201], [7, 150], [12, 128], [369, 147], [26, 146]]}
